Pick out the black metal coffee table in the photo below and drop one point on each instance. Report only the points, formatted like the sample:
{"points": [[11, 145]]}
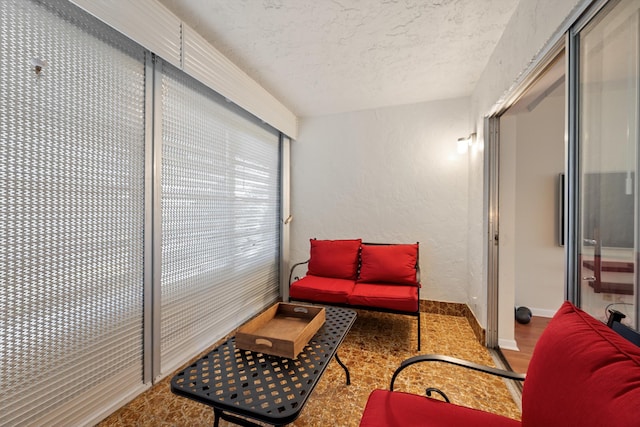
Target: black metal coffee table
{"points": [[266, 388]]}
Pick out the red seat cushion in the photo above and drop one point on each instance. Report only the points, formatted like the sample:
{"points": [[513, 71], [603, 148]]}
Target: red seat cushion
{"points": [[582, 373], [389, 264], [334, 258], [321, 289], [397, 409], [384, 295]]}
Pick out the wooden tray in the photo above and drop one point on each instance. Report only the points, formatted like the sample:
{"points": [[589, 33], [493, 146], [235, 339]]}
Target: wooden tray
{"points": [[283, 330]]}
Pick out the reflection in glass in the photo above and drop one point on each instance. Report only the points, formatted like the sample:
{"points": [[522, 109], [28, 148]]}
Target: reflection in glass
{"points": [[608, 137]]}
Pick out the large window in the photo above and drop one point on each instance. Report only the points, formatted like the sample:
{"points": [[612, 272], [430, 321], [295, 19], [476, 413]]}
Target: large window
{"points": [[115, 266], [220, 210]]}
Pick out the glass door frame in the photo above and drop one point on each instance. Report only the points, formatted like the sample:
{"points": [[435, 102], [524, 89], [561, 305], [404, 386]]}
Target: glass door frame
{"points": [[492, 177], [572, 183]]}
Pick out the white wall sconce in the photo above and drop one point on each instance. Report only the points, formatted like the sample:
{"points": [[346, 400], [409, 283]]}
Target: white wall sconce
{"points": [[465, 143]]}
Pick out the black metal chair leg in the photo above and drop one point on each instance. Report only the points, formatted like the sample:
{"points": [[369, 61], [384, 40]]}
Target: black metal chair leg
{"points": [[418, 330], [345, 369]]}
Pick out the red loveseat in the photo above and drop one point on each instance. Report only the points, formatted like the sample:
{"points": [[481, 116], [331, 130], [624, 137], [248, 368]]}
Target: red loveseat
{"points": [[582, 373], [370, 276]]}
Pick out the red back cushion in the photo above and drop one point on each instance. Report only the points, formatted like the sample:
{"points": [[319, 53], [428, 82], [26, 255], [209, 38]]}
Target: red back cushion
{"points": [[582, 373], [389, 264], [334, 258]]}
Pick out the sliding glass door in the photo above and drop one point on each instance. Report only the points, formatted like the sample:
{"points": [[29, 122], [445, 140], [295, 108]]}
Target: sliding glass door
{"points": [[607, 161]]}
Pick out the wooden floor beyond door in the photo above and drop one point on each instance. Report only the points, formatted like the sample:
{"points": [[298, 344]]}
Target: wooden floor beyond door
{"points": [[526, 337]]}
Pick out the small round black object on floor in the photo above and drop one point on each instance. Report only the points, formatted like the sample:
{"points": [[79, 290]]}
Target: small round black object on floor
{"points": [[523, 315]]}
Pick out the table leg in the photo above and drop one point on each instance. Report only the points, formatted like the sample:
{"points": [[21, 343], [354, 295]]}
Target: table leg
{"points": [[345, 369], [220, 414]]}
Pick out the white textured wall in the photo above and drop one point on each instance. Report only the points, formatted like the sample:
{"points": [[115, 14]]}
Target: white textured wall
{"points": [[387, 175], [540, 158], [531, 270], [532, 25]]}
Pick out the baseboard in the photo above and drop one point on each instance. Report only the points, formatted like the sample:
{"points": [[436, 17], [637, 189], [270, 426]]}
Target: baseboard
{"points": [[508, 344], [542, 312], [442, 307]]}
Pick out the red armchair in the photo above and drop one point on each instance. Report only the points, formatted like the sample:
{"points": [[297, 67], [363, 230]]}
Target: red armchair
{"points": [[582, 373]]}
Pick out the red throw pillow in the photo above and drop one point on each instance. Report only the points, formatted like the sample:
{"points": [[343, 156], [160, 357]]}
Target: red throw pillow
{"points": [[389, 264], [334, 258]]}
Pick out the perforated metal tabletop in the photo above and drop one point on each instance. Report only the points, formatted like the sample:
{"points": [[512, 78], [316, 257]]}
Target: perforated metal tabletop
{"points": [[266, 388]]}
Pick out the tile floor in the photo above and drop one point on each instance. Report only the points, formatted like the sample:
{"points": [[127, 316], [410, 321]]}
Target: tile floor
{"points": [[375, 346]]}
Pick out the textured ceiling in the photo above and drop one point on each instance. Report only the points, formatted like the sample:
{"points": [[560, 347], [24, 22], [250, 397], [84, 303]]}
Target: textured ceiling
{"points": [[329, 56]]}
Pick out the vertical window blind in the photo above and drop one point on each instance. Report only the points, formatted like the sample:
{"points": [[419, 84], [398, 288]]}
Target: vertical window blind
{"points": [[220, 217], [71, 215]]}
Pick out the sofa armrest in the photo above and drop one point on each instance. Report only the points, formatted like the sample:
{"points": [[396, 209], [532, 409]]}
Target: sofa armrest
{"points": [[453, 361], [293, 268]]}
